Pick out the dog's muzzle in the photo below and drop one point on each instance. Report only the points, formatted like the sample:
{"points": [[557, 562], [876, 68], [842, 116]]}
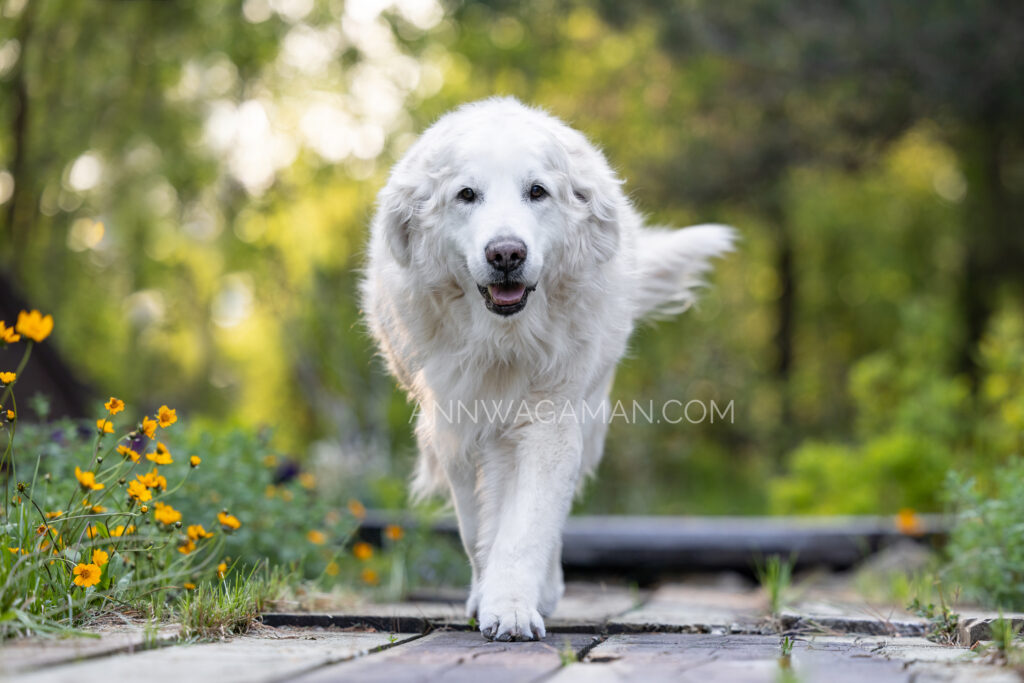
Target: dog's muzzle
{"points": [[506, 294]]}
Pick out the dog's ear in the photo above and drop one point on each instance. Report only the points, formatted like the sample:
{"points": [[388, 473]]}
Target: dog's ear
{"points": [[396, 206], [596, 186]]}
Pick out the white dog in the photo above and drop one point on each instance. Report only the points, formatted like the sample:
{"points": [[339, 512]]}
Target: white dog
{"points": [[507, 269]]}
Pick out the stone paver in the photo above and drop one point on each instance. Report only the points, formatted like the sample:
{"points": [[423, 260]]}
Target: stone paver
{"points": [[275, 656], [32, 653], [455, 656]]}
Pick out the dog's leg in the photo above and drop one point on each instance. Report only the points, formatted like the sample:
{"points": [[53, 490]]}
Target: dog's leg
{"points": [[462, 481], [528, 530]]}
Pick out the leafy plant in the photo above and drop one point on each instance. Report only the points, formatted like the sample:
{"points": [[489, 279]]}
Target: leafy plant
{"points": [[986, 545], [943, 621]]}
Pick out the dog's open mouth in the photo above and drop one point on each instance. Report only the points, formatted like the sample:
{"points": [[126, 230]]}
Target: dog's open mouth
{"points": [[505, 298]]}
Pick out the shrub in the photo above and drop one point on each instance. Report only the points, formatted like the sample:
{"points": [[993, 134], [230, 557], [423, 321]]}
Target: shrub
{"points": [[986, 546]]}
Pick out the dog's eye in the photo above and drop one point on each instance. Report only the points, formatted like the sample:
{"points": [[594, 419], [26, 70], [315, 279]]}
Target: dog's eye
{"points": [[467, 194], [538, 192]]}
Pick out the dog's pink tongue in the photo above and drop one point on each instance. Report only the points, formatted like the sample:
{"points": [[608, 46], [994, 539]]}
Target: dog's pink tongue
{"points": [[506, 295]]}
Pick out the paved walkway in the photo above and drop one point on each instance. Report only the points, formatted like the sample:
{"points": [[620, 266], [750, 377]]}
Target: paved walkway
{"points": [[680, 632]]}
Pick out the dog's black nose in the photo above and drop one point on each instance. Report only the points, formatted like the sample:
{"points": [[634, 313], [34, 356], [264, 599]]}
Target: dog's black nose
{"points": [[505, 254]]}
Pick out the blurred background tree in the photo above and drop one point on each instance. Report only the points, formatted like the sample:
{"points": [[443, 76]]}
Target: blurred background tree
{"points": [[187, 187]]}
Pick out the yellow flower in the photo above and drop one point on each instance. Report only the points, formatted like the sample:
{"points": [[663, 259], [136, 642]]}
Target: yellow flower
{"points": [[10, 415], [128, 453], [188, 585], [908, 523], [87, 480], [187, 546], [196, 531], [161, 456], [357, 509], [87, 575], [34, 325], [332, 568], [121, 530], [143, 509], [316, 537], [393, 532], [98, 509], [105, 426], [307, 480], [41, 529], [7, 334], [166, 416], [7, 377], [138, 491], [228, 521], [55, 514], [194, 461], [165, 514], [362, 551], [370, 577], [100, 557], [91, 532], [114, 405], [222, 569], [148, 427], [153, 479]]}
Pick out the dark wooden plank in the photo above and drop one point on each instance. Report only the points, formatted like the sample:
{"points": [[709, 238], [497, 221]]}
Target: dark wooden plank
{"points": [[455, 656], [643, 546]]}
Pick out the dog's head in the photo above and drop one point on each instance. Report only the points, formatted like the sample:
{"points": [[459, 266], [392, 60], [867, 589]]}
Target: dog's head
{"points": [[502, 198]]}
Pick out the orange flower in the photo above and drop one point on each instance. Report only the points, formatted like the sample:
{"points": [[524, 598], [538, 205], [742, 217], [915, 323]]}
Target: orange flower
{"points": [[370, 577], [187, 546], [166, 416], [196, 531], [909, 523], [114, 405], [8, 377], [100, 557], [222, 569], [228, 521], [316, 537], [194, 461], [153, 480], [357, 509], [362, 551], [128, 453], [34, 325], [87, 480], [7, 334], [188, 585], [165, 514], [87, 575], [393, 532], [161, 456], [138, 491], [148, 427], [105, 426]]}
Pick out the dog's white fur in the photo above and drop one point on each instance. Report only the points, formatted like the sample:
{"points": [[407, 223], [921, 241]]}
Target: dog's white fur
{"points": [[597, 271]]}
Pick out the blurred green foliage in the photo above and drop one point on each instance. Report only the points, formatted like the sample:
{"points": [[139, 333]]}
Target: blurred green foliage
{"points": [[187, 188], [986, 548]]}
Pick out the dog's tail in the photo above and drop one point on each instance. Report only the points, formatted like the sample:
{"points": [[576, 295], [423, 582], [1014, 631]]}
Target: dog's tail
{"points": [[671, 265]]}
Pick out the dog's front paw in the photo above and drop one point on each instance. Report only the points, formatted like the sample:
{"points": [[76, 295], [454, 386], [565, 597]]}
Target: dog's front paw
{"points": [[510, 620]]}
